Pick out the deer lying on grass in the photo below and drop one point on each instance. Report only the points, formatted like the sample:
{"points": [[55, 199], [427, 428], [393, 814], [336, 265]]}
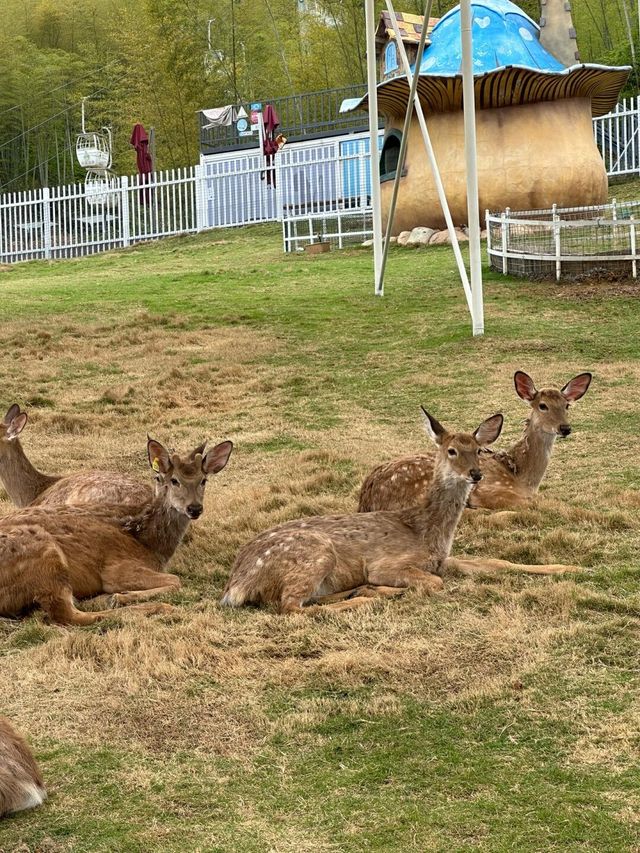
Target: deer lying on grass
{"points": [[511, 477], [49, 555], [328, 558], [21, 785], [26, 486]]}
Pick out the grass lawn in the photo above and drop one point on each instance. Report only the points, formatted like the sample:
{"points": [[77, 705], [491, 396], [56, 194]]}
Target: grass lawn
{"points": [[502, 715]]}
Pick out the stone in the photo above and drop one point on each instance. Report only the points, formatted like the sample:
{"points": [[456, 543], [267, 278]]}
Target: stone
{"points": [[438, 238], [403, 236], [367, 243], [420, 236]]}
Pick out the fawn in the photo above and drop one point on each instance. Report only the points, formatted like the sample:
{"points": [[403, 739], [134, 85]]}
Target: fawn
{"points": [[26, 486], [511, 477], [21, 785], [328, 558], [49, 555]]}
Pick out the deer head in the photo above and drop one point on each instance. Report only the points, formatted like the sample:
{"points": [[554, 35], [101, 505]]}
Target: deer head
{"points": [[184, 480], [12, 424], [458, 452], [550, 407]]}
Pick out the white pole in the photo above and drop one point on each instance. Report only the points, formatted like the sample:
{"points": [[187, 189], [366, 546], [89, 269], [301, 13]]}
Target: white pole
{"points": [[374, 169], [469, 100], [432, 160]]}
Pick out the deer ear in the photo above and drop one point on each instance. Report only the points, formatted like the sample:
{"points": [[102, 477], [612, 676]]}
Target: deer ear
{"points": [[197, 450], [12, 412], [16, 425], [489, 430], [576, 387], [434, 429], [159, 458], [525, 389], [217, 457]]}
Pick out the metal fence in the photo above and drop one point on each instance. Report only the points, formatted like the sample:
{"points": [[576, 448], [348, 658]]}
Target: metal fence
{"points": [[617, 138], [319, 190], [75, 220], [566, 242]]}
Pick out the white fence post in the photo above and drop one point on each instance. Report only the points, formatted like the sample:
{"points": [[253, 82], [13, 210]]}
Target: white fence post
{"points": [[201, 198], [503, 234], [125, 230], [556, 234], [632, 235], [46, 223]]}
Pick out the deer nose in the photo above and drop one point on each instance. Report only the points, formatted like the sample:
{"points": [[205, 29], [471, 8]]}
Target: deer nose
{"points": [[564, 429], [475, 475], [194, 510]]}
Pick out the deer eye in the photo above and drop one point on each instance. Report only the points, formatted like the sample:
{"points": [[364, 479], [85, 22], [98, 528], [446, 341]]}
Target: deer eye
{"points": [[452, 451], [175, 481], [543, 407]]}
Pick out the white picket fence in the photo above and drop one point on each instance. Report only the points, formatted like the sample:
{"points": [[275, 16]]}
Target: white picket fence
{"points": [[319, 191], [617, 138]]}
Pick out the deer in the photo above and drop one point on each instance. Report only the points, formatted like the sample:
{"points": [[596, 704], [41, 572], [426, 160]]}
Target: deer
{"points": [[26, 486], [51, 555], [511, 478], [338, 562], [21, 784]]}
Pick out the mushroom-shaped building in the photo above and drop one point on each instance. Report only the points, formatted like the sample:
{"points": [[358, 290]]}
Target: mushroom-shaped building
{"points": [[535, 140]]}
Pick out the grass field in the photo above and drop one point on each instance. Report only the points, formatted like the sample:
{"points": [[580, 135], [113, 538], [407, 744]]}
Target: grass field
{"points": [[502, 715]]}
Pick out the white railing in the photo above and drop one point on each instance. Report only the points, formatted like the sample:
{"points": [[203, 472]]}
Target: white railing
{"points": [[73, 220], [318, 190], [617, 138], [565, 241]]}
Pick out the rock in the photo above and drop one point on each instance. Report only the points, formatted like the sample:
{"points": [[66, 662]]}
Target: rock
{"points": [[438, 238], [367, 243], [392, 240], [403, 236], [420, 236], [461, 235]]}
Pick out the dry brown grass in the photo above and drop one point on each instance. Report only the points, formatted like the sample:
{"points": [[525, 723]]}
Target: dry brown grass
{"points": [[206, 680]]}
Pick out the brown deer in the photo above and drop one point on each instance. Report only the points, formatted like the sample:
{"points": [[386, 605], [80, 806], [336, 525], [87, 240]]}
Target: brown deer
{"points": [[51, 555], [26, 486], [511, 477], [320, 559], [21, 785]]}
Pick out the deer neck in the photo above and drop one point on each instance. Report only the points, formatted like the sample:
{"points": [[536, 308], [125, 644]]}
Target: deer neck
{"points": [[22, 482], [159, 527], [531, 455], [436, 520]]}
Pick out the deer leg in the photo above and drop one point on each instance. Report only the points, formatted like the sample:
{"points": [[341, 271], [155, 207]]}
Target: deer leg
{"points": [[406, 577], [62, 610], [365, 591], [132, 581], [468, 565]]}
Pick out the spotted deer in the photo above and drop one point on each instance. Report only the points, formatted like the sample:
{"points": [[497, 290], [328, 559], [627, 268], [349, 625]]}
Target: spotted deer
{"points": [[511, 478], [342, 561], [26, 486], [21, 785], [51, 555]]}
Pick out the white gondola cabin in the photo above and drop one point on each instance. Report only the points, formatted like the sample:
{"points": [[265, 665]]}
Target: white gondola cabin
{"points": [[101, 188]]}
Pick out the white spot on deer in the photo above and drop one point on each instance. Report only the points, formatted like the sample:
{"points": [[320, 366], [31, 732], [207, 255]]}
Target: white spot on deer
{"points": [[259, 563], [394, 477], [267, 552]]}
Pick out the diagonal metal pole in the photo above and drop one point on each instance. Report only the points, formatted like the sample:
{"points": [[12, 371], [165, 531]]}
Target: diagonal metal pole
{"points": [[470, 152], [374, 169], [462, 270], [403, 149]]}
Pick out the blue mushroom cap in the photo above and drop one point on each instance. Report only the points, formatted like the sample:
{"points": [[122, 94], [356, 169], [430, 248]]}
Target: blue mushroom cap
{"points": [[502, 36]]}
